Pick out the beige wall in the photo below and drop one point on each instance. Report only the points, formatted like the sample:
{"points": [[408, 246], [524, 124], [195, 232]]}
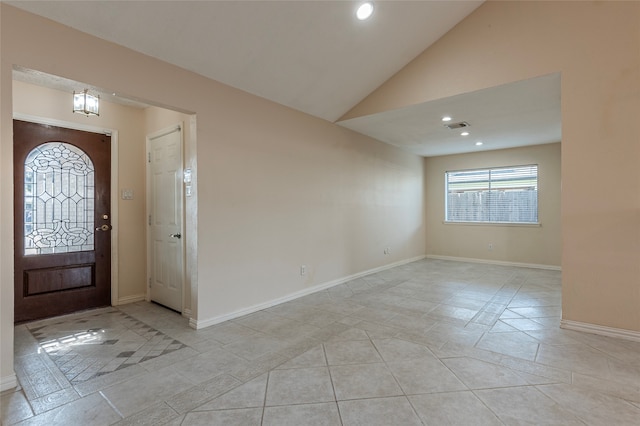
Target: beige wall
{"points": [[596, 47], [285, 189], [46, 103], [7, 377], [539, 245], [275, 188]]}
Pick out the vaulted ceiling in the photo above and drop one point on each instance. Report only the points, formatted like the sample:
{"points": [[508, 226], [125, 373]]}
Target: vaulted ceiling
{"points": [[313, 56]]}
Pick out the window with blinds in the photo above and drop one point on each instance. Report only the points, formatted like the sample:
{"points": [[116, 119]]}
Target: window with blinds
{"points": [[500, 195]]}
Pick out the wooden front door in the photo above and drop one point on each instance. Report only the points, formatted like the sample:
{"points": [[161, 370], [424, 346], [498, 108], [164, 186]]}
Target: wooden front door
{"points": [[62, 220]]}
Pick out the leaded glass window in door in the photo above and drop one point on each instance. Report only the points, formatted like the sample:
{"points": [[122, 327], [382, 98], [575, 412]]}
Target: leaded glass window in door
{"points": [[59, 195]]}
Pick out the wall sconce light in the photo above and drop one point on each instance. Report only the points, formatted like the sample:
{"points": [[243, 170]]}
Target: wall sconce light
{"points": [[86, 103]]}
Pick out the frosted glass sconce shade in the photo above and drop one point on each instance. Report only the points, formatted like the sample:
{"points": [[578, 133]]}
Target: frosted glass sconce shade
{"points": [[86, 103]]}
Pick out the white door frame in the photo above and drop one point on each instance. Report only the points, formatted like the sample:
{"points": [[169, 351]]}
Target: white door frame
{"points": [[154, 135], [114, 184]]}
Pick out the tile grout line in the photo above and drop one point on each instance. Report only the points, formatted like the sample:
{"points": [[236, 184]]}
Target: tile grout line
{"points": [[485, 405], [264, 400], [111, 404], [335, 397]]}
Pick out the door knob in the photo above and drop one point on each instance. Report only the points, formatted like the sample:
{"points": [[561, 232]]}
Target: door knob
{"points": [[104, 227], [178, 235]]}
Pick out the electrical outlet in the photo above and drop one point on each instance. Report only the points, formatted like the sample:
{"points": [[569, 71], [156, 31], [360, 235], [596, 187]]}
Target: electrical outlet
{"points": [[303, 270]]}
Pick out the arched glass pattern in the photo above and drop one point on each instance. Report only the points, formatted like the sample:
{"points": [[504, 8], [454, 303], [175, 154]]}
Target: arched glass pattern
{"points": [[59, 194]]}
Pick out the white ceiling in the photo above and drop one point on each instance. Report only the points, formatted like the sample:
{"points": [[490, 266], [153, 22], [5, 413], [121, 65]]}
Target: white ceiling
{"points": [[315, 57], [515, 114]]}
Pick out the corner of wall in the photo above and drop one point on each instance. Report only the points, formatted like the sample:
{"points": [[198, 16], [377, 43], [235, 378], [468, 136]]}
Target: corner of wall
{"points": [[8, 382]]}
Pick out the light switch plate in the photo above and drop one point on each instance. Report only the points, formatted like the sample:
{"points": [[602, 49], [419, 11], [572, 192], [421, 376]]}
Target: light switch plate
{"points": [[127, 194]]}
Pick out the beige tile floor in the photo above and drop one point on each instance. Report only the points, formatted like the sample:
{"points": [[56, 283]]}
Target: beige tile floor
{"points": [[428, 343]]}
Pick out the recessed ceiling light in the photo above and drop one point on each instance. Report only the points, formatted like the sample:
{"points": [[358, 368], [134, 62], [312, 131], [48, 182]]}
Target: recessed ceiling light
{"points": [[446, 118], [478, 143], [464, 134], [365, 10]]}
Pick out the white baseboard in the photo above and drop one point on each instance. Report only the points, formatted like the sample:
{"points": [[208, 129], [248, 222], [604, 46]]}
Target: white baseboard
{"points": [[602, 330], [8, 382], [131, 299], [198, 324], [494, 262]]}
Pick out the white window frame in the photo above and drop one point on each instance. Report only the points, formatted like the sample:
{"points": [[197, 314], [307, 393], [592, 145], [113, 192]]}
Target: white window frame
{"points": [[490, 190]]}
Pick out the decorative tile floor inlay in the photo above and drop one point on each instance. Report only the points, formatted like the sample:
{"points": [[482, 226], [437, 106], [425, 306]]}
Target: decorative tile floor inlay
{"points": [[94, 344]]}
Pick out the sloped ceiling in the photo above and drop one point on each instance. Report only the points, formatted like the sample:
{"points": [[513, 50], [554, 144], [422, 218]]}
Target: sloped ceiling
{"points": [[315, 57]]}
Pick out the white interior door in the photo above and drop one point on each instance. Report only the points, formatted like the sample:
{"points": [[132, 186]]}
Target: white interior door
{"points": [[166, 241]]}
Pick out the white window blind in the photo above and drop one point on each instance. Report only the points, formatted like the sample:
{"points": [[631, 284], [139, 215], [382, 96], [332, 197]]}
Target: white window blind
{"points": [[499, 195]]}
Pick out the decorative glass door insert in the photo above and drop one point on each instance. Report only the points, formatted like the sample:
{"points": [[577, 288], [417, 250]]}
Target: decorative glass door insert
{"points": [[59, 197]]}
